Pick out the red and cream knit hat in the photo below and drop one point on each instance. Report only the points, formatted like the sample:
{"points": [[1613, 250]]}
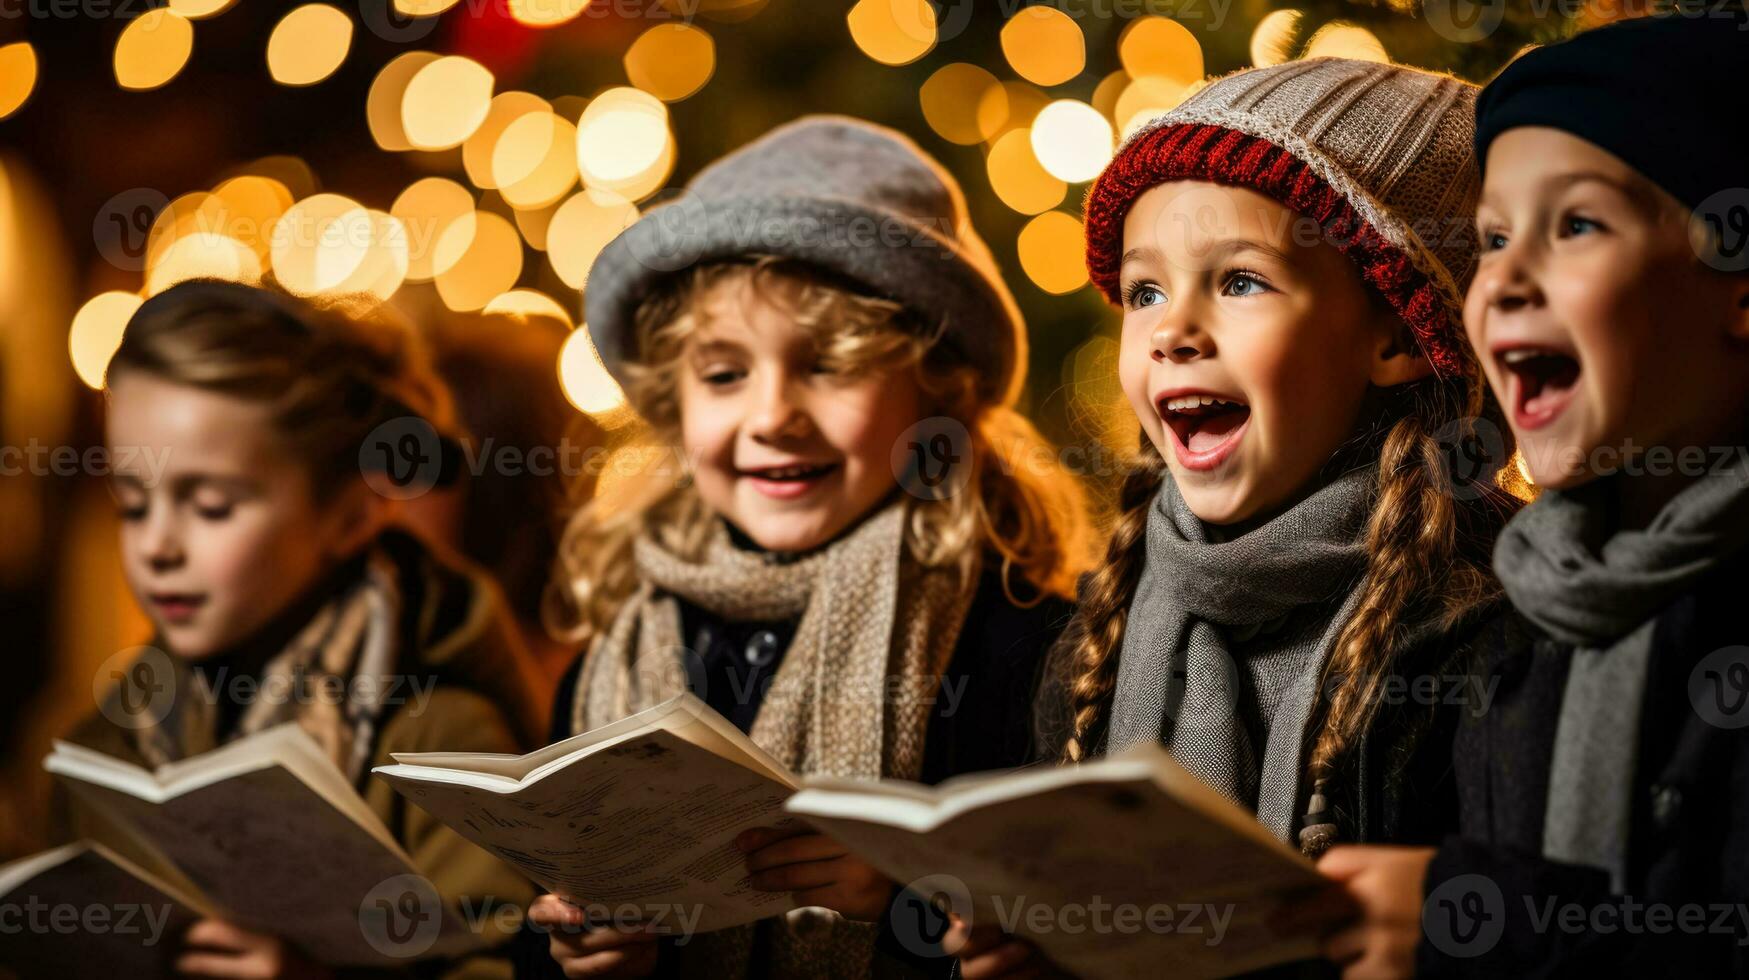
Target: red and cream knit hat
{"points": [[1379, 155]]}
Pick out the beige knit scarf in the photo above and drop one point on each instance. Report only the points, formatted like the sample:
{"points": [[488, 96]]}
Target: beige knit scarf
{"points": [[313, 680], [852, 697]]}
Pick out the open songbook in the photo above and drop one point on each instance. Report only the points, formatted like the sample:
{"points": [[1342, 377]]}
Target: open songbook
{"points": [[263, 832], [640, 814], [1124, 867]]}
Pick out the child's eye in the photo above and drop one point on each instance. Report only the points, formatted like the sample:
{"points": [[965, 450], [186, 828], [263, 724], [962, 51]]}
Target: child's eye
{"points": [[1144, 294], [1493, 241], [718, 377], [213, 512], [1573, 225], [130, 512], [1243, 283]]}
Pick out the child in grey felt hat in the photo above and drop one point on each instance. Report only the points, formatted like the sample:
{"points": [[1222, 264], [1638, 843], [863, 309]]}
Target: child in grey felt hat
{"points": [[865, 550]]}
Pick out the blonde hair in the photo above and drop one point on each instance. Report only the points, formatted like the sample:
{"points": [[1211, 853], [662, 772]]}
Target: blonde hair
{"points": [[1428, 560], [1019, 501]]}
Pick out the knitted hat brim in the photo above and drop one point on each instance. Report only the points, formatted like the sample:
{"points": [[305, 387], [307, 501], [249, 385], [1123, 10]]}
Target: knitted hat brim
{"points": [[886, 255], [1229, 149]]}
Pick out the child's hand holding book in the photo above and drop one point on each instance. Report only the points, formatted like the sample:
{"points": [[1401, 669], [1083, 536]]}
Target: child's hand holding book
{"points": [[816, 870], [583, 950]]}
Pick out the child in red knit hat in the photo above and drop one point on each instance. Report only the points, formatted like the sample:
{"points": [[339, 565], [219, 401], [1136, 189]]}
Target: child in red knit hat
{"points": [[1288, 248]]}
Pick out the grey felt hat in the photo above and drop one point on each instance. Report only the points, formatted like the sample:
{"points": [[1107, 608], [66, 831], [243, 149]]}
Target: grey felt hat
{"points": [[859, 201]]}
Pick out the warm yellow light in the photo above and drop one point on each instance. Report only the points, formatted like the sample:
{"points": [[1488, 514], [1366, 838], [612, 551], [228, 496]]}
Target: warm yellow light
{"points": [[528, 302], [17, 76], [308, 44], [1145, 99], [545, 13], [1160, 46], [1044, 45], [1272, 41], [893, 32], [382, 105], [187, 214], [332, 244], [624, 144], [445, 102], [1015, 104], [1018, 179], [1339, 39], [203, 254], [581, 228], [1106, 94], [96, 333], [477, 266], [535, 162], [954, 104], [1072, 141], [196, 9], [478, 150], [252, 203], [152, 49], [671, 61], [584, 379], [426, 209], [1050, 249]]}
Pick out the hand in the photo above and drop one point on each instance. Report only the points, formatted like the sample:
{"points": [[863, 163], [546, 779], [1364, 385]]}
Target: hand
{"points": [[585, 951], [212, 948], [1386, 884], [818, 870], [986, 952]]}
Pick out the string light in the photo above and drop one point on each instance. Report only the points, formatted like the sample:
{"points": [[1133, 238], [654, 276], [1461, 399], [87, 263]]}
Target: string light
{"points": [[1044, 45], [893, 32], [17, 76], [96, 333], [671, 61], [152, 49], [1072, 140], [308, 44], [445, 102]]}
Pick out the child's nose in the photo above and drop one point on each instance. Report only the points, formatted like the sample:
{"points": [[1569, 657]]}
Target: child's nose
{"points": [[777, 412], [163, 545], [1179, 340]]}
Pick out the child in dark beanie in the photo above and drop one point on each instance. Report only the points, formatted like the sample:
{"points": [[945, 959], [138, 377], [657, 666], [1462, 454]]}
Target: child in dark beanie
{"points": [[1604, 799]]}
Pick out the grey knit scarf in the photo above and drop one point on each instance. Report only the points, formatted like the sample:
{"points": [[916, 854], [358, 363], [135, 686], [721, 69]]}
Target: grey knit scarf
{"points": [[1599, 590], [1225, 640]]}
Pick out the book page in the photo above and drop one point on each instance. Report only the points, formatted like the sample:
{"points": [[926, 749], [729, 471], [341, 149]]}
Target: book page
{"points": [[80, 911], [273, 856], [1110, 879], [645, 825]]}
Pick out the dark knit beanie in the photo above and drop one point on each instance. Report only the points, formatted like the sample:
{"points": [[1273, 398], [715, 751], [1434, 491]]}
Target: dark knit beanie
{"points": [[1378, 155], [1663, 94]]}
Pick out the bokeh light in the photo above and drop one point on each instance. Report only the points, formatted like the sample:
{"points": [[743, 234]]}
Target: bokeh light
{"points": [[382, 104], [1338, 39], [445, 102], [1160, 47], [1072, 140], [893, 32], [584, 379], [671, 61], [535, 160], [954, 103], [624, 144], [96, 333], [426, 208], [1050, 248], [478, 263], [1272, 41], [17, 76], [581, 228], [1044, 45], [545, 13], [1017, 177], [528, 302], [308, 44], [152, 49]]}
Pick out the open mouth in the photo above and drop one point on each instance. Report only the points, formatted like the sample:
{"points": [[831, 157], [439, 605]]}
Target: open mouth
{"points": [[785, 482], [1545, 381], [1205, 427]]}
